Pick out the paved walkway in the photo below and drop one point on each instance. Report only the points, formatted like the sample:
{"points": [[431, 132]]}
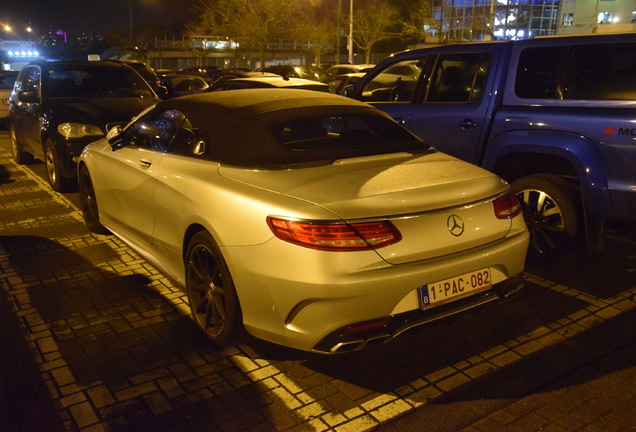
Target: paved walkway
{"points": [[92, 338]]}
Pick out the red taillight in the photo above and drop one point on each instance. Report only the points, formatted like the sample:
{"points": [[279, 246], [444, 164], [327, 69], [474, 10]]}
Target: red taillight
{"points": [[335, 236], [507, 206]]}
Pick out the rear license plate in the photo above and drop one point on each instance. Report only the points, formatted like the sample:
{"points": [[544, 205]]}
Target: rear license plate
{"points": [[450, 289]]}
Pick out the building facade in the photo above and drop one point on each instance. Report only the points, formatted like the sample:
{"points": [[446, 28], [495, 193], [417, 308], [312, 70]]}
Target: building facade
{"points": [[469, 20]]}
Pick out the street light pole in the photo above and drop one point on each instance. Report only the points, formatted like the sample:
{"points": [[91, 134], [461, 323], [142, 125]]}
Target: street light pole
{"points": [[350, 39], [338, 33], [132, 38]]}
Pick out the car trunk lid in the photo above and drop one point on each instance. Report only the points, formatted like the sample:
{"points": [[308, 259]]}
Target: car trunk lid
{"points": [[428, 198]]}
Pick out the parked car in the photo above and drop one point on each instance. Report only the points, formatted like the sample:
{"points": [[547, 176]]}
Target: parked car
{"points": [[343, 69], [275, 81], [58, 107], [7, 79], [309, 219], [145, 71], [295, 71], [554, 116], [178, 84], [226, 74], [341, 84], [208, 73]]}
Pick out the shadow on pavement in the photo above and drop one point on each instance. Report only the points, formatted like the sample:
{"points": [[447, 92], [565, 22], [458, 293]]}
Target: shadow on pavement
{"points": [[602, 274], [5, 175], [438, 346], [105, 332]]}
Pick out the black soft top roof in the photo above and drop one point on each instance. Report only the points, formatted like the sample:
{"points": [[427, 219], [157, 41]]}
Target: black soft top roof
{"points": [[240, 125]]}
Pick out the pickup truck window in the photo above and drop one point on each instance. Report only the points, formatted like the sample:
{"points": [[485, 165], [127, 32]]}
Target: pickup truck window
{"points": [[458, 77], [601, 72], [538, 72], [395, 83], [592, 72]]}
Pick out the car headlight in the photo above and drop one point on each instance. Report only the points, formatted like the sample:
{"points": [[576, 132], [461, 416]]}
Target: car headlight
{"points": [[78, 130]]}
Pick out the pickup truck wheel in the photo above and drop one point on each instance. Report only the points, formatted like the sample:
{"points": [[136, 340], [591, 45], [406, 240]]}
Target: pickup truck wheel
{"points": [[550, 207], [213, 300]]}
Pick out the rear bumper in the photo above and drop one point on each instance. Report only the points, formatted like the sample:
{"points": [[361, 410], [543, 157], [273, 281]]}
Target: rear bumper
{"points": [[332, 303], [363, 335]]}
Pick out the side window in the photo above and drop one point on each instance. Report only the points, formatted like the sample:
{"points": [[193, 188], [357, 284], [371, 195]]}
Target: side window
{"points": [[458, 77], [29, 80], [154, 130], [188, 141], [538, 72], [601, 72], [395, 83]]}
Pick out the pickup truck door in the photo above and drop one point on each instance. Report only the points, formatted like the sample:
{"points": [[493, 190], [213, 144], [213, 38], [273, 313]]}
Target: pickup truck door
{"points": [[449, 105]]}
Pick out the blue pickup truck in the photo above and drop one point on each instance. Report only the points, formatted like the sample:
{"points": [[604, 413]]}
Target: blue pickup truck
{"points": [[554, 116]]}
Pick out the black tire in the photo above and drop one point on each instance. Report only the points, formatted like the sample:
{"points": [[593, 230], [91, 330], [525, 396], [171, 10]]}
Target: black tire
{"points": [[213, 300], [551, 207], [20, 157], [88, 203], [54, 174]]}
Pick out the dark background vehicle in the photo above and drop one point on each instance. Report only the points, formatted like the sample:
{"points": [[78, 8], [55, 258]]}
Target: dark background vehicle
{"points": [[340, 84], [7, 79], [145, 71], [178, 84], [275, 81], [343, 69], [223, 74], [554, 116], [57, 108], [292, 71], [209, 73]]}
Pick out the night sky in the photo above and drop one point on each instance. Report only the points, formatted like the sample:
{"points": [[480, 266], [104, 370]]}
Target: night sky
{"points": [[101, 16]]}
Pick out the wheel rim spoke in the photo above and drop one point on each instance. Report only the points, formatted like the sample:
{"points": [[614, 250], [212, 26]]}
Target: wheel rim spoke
{"points": [[50, 164], [207, 293], [544, 219]]}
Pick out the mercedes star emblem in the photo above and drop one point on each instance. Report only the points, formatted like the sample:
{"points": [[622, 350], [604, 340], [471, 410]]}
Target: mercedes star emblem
{"points": [[455, 225]]}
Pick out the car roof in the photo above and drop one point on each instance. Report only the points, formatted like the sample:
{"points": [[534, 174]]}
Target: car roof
{"points": [[277, 81], [241, 124], [79, 63], [233, 106]]}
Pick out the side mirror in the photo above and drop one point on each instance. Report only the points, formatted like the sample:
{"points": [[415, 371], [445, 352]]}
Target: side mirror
{"points": [[162, 92], [113, 136], [348, 91], [28, 96]]}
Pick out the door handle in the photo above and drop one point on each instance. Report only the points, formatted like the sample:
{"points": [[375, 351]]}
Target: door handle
{"points": [[468, 123], [144, 163]]}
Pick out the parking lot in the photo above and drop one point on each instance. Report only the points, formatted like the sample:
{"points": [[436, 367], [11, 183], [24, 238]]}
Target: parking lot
{"points": [[94, 338]]}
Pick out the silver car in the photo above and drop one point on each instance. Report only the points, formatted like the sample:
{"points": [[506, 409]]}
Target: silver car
{"points": [[308, 219], [7, 80]]}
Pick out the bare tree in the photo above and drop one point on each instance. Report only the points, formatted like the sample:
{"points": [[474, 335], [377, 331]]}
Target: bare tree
{"points": [[372, 23], [420, 25], [256, 22], [198, 32], [318, 29]]}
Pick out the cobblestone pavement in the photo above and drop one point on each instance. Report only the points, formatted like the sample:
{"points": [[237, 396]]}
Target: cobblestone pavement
{"points": [[93, 338]]}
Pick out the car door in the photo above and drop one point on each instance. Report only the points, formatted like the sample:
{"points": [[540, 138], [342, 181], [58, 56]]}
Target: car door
{"points": [[26, 116], [127, 174], [446, 106]]}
